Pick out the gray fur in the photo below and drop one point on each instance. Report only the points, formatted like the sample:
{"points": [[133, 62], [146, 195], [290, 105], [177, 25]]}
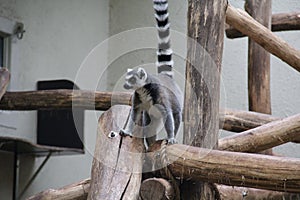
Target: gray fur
{"points": [[157, 99]]}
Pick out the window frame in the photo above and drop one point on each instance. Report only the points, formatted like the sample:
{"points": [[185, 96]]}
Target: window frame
{"points": [[8, 28]]}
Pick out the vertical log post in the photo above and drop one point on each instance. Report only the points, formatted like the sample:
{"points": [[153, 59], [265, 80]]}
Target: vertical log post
{"points": [[117, 164], [259, 61], [201, 115]]}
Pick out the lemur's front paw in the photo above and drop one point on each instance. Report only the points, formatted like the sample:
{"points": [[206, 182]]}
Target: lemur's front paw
{"points": [[124, 133], [172, 141]]}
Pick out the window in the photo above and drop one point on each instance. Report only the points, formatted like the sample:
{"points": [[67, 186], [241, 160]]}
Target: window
{"points": [[8, 28]]}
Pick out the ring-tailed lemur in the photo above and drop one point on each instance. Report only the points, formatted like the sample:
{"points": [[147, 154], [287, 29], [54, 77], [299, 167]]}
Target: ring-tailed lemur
{"points": [[156, 98]]}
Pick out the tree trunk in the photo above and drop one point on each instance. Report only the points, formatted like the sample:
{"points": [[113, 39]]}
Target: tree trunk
{"points": [[259, 62], [117, 164], [204, 57]]}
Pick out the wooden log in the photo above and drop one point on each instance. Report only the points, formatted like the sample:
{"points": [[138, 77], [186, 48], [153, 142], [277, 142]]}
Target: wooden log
{"points": [[280, 22], [203, 66], [238, 121], [259, 62], [238, 193], [235, 121], [234, 168], [76, 191], [263, 137], [117, 165], [156, 188], [62, 99], [263, 36]]}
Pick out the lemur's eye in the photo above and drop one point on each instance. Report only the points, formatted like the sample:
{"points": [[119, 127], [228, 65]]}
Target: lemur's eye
{"points": [[132, 80]]}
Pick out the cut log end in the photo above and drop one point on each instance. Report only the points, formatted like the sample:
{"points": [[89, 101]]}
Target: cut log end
{"points": [[156, 188]]}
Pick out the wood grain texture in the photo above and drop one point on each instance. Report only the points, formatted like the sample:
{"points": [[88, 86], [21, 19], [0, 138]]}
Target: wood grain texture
{"points": [[259, 60], [236, 193], [259, 95], [203, 66], [62, 99], [280, 22], [156, 188], [263, 36], [238, 121], [117, 165], [266, 136], [76, 191], [234, 168]]}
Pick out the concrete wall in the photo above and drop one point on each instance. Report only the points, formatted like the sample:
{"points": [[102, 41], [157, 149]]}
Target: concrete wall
{"points": [[59, 35]]}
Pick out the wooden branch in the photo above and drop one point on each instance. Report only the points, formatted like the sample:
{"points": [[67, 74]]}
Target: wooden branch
{"points": [[117, 164], [238, 121], [286, 21], [236, 193], [263, 137], [62, 99], [280, 22], [156, 188], [206, 27], [263, 36], [76, 191], [232, 168]]}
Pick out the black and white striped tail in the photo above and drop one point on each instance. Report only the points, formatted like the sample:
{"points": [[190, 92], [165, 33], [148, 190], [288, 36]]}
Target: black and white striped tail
{"points": [[164, 53]]}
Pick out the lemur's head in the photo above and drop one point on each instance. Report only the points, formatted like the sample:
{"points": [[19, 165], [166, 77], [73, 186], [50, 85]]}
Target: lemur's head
{"points": [[135, 78]]}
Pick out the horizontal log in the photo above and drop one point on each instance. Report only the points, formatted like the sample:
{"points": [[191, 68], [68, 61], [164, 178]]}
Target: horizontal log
{"points": [[65, 99], [76, 191], [236, 193], [238, 121], [264, 137], [280, 22], [242, 21], [233, 168], [62, 99]]}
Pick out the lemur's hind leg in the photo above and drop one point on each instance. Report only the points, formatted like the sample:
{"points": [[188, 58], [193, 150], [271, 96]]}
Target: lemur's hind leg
{"points": [[177, 120], [170, 128]]}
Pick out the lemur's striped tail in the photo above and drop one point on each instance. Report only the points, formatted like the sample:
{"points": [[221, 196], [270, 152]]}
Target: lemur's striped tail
{"points": [[164, 53]]}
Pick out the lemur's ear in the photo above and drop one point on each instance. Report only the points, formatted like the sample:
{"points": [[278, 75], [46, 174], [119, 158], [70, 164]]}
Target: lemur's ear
{"points": [[129, 70], [142, 74]]}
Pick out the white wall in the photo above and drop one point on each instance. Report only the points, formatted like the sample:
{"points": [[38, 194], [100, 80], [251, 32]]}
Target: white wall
{"points": [[59, 35]]}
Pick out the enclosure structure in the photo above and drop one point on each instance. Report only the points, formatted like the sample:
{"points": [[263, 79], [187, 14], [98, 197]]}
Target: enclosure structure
{"points": [[221, 167]]}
